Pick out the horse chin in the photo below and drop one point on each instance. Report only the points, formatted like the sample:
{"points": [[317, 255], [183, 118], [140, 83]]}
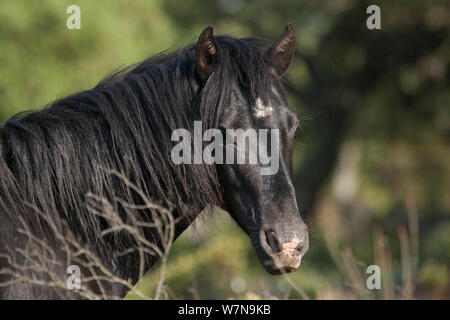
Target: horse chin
{"points": [[273, 267]]}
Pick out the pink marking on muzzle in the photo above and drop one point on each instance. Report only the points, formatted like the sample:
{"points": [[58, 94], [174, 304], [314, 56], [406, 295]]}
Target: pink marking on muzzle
{"points": [[289, 255]]}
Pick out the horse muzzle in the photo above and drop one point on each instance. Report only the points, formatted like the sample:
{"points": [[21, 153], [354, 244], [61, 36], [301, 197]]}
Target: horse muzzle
{"points": [[283, 249]]}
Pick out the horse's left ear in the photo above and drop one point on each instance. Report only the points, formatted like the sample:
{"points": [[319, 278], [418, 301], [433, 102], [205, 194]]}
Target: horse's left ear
{"points": [[207, 53], [280, 55]]}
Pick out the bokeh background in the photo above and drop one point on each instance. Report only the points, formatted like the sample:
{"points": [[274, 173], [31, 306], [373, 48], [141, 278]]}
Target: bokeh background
{"points": [[372, 163]]}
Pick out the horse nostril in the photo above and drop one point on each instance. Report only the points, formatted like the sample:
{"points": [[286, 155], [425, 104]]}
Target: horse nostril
{"points": [[299, 247], [272, 240]]}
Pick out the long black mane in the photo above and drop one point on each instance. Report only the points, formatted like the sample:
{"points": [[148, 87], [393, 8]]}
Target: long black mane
{"points": [[50, 159]]}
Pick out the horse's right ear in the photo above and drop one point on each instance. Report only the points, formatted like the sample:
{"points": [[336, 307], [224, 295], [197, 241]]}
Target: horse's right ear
{"points": [[207, 53]]}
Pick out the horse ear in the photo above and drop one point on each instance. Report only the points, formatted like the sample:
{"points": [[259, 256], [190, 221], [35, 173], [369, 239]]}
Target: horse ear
{"points": [[280, 55], [207, 53]]}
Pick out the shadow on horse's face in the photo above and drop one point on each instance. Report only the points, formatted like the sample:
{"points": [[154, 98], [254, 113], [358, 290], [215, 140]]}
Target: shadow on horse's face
{"points": [[260, 196]]}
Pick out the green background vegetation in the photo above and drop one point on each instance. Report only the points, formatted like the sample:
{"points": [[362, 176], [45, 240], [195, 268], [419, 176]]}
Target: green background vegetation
{"points": [[371, 163]]}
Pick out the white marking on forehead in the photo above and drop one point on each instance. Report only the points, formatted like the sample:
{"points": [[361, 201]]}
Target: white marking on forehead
{"points": [[261, 110]]}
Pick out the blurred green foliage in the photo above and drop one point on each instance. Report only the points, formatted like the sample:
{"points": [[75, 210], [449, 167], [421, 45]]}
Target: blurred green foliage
{"points": [[372, 168]]}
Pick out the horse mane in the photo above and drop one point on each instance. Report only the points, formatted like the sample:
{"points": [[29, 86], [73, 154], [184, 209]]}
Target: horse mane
{"points": [[50, 159]]}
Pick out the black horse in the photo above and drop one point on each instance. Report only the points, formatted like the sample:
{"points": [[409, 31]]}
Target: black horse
{"points": [[53, 161]]}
